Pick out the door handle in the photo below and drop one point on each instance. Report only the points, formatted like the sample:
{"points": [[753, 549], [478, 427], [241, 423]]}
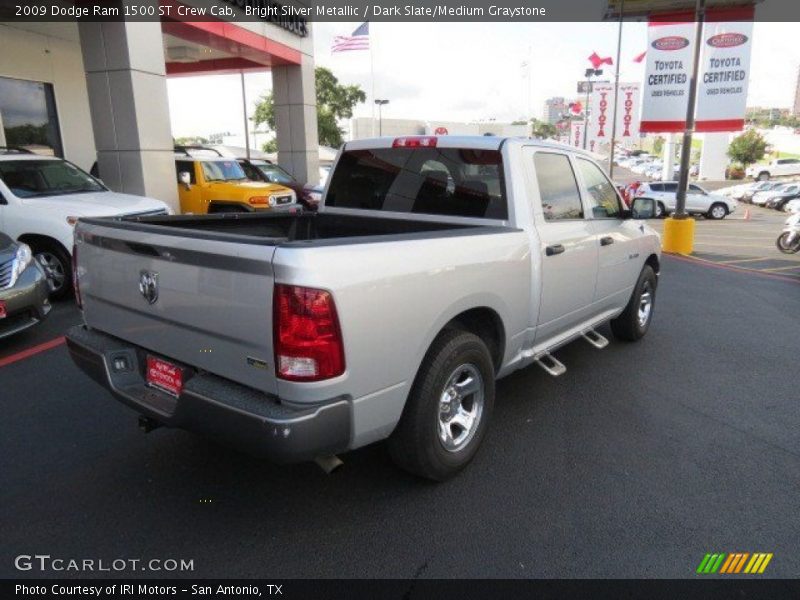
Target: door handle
{"points": [[606, 241], [554, 249]]}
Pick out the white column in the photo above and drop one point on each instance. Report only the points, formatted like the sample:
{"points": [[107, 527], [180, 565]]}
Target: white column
{"points": [[126, 81], [295, 96], [668, 157], [714, 157]]}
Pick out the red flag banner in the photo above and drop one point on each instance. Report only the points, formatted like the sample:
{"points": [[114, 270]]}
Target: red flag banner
{"points": [[598, 61]]}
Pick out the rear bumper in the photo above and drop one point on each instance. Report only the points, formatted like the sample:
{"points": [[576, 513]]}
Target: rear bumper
{"points": [[233, 414]]}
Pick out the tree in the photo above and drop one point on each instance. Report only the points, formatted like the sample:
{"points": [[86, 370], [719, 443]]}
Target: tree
{"points": [[658, 145], [748, 147], [334, 101], [544, 130]]}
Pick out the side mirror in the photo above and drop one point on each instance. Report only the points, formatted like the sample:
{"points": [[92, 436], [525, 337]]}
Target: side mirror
{"points": [[643, 208], [185, 178]]}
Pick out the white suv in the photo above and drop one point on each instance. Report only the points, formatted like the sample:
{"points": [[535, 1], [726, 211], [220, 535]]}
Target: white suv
{"points": [[698, 201], [41, 199], [777, 168]]}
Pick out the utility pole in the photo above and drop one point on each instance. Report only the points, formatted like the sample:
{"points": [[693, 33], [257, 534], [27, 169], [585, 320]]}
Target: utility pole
{"points": [[244, 109], [616, 93]]}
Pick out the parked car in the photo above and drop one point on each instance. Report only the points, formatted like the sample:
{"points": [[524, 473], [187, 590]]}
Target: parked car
{"points": [[394, 308], [761, 198], [211, 183], [24, 288], [41, 199], [747, 191], [698, 200], [780, 197], [258, 169], [777, 168], [792, 206]]}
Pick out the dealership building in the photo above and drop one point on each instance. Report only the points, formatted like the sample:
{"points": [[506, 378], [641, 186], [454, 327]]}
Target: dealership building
{"points": [[97, 91]]}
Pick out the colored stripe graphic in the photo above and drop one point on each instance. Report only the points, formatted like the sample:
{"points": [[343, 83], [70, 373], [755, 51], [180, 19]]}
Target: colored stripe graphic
{"points": [[734, 562]]}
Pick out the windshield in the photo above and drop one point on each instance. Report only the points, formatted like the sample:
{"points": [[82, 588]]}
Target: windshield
{"points": [[274, 173], [222, 170], [34, 178], [458, 182]]}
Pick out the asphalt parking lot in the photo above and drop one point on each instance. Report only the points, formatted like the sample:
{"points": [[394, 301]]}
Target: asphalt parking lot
{"points": [[635, 463]]}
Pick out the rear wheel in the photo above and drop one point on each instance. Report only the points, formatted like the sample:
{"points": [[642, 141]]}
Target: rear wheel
{"points": [[763, 176], [58, 266], [633, 323], [448, 410], [661, 210], [717, 211]]}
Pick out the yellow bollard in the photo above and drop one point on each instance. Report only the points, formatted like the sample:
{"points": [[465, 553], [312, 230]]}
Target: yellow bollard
{"points": [[678, 236]]}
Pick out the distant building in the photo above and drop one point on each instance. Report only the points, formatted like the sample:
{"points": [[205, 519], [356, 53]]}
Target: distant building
{"points": [[796, 107], [553, 109]]}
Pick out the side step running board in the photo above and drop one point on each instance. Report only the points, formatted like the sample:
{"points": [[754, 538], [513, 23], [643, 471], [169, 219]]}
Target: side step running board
{"points": [[595, 339], [551, 365]]}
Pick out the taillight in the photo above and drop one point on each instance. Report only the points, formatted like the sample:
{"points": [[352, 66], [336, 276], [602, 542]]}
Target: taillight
{"points": [[75, 282], [425, 141], [308, 341]]}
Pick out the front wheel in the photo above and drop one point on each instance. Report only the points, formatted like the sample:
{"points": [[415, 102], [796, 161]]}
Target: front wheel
{"points": [[788, 242], [448, 410], [633, 323], [58, 267], [717, 211], [763, 176]]}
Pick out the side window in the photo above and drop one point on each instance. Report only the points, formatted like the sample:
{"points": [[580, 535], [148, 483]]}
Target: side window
{"points": [[693, 189], [670, 187], [184, 165], [557, 187], [601, 193], [657, 187]]}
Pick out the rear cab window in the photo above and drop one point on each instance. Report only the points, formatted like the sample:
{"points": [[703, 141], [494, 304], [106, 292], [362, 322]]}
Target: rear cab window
{"points": [[451, 182], [558, 188]]}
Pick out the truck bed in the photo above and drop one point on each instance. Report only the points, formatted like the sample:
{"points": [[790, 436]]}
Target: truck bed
{"points": [[290, 228]]}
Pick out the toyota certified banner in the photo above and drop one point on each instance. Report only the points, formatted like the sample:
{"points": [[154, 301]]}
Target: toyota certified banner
{"points": [[724, 74], [666, 82], [601, 103], [722, 80], [576, 134]]}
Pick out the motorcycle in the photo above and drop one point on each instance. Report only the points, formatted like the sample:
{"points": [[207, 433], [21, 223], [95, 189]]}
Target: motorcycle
{"points": [[788, 241]]}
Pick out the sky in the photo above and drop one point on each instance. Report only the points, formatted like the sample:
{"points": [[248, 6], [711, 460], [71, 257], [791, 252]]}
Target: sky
{"points": [[472, 71]]}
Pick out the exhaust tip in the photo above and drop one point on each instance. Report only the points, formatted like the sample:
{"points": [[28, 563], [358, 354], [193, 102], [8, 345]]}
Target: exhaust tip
{"points": [[329, 464]]}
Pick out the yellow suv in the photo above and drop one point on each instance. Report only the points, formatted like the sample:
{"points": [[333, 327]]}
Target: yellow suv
{"points": [[214, 184]]}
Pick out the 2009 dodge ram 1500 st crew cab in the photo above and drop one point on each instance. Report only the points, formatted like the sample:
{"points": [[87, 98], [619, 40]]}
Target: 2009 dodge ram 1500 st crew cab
{"points": [[434, 267]]}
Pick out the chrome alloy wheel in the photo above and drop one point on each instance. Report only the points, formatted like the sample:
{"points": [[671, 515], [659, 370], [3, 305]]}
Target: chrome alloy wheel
{"points": [[718, 212], [53, 268], [460, 407], [645, 304]]}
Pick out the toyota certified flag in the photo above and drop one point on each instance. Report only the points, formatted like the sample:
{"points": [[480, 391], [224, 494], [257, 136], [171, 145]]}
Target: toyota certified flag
{"points": [[359, 40], [597, 61]]}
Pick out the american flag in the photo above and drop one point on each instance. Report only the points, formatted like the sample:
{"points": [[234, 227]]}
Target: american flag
{"points": [[359, 40]]}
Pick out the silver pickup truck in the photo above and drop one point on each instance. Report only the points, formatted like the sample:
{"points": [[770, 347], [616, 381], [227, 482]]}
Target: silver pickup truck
{"points": [[434, 266]]}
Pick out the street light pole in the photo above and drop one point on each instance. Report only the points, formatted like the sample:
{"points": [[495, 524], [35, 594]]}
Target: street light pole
{"points": [[616, 92], [380, 102]]}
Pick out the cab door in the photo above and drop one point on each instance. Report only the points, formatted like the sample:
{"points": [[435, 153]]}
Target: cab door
{"points": [[618, 245], [191, 198], [567, 244]]}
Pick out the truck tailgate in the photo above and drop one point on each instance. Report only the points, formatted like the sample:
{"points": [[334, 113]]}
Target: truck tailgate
{"points": [[213, 309]]}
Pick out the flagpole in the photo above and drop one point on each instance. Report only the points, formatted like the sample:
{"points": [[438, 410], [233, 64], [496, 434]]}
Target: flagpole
{"points": [[372, 78], [616, 93]]}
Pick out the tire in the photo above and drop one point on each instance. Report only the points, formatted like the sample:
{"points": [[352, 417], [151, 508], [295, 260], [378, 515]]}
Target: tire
{"points": [[784, 246], [58, 266], [661, 210], [717, 211], [631, 325], [763, 176], [418, 444]]}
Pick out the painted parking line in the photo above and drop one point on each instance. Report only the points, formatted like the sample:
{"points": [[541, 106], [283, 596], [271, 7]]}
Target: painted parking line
{"points": [[703, 262], [743, 260], [23, 354], [789, 268]]}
